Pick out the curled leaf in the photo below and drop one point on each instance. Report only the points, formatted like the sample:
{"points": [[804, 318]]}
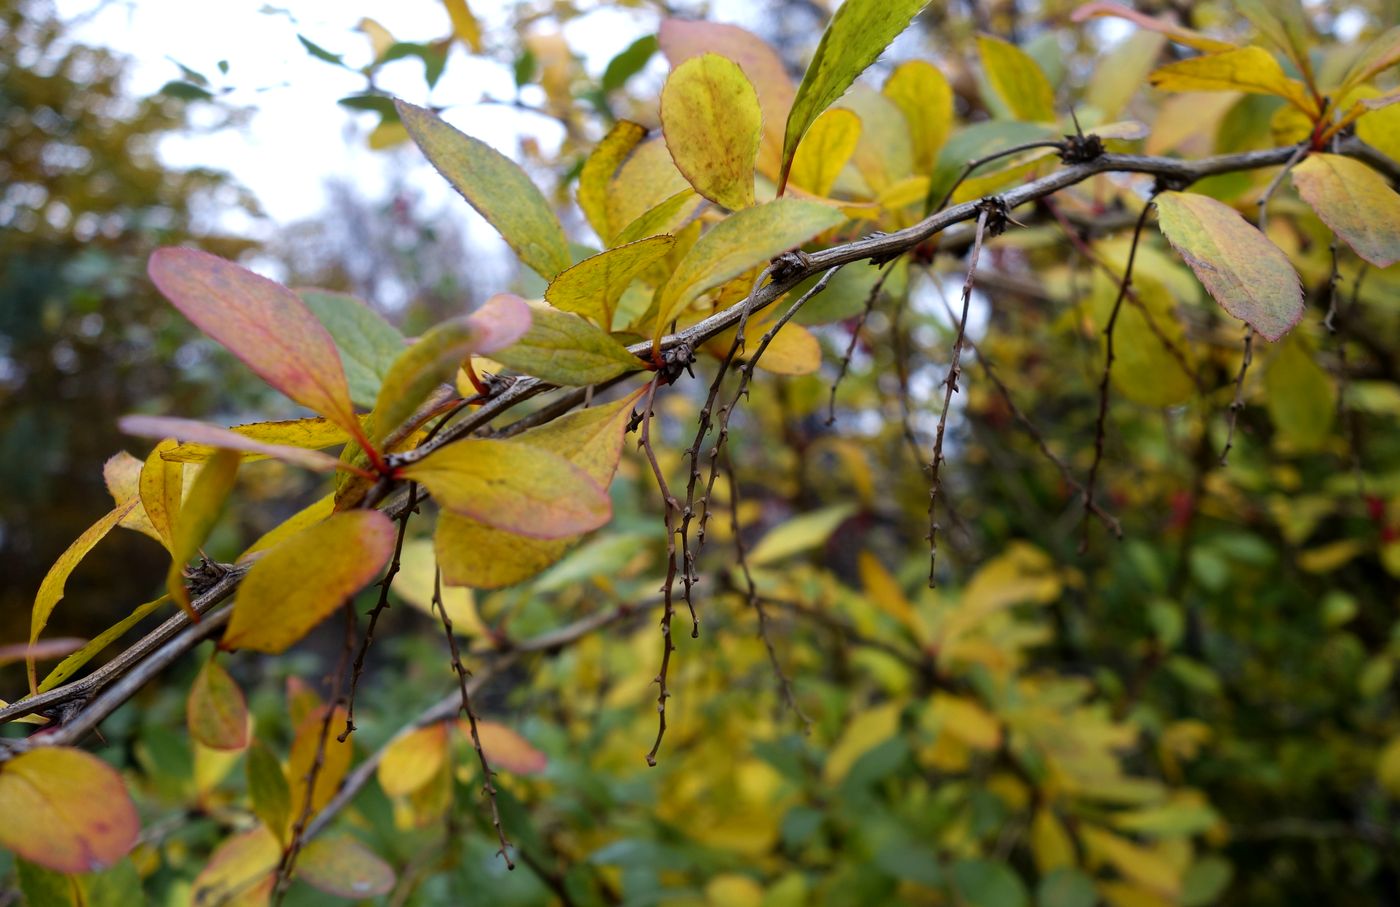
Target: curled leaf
{"points": [[188, 432]]}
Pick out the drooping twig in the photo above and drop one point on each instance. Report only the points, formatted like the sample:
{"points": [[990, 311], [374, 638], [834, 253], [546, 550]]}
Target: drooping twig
{"points": [[1100, 424], [1237, 404], [950, 387], [672, 506], [488, 783], [845, 366]]}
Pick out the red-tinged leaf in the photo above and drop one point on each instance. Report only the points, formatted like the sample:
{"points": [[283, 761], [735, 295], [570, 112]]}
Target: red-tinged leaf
{"points": [[216, 711], [713, 124], [65, 810], [51, 589], [261, 322], [1247, 274], [515, 487], [412, 760], [1177, 33], [188, 431], [240, 872], [344, 867], [40, 651], [1355, 202], [506, 749], [299, 583]]}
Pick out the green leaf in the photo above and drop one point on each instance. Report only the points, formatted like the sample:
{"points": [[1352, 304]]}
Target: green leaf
{"points": [[435, 358], [367, 343], [215, 711], [592, 287], [267, 788], [513, 486], [320, 52], [1300, 397], [1355, 202], [472, 553], [713, 124], [262, 323], [629, 62], [1066, 887], [1240, 267], [743, 240], [495, 186], [1017, 80], [666, 217], [299, 583], [858, 33], [564, 349], [799, 534], [986, 883], [66, 810]]}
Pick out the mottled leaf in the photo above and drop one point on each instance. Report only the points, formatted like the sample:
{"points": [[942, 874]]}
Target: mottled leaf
{"points": [[215, 711], [1355, 202], [825, 150], [472, 553], [303, 580], [741, 241], [564, 349], [513, 486], [592, 287], [435, 358], [341, 866], [65, 810], [1246, 273], [712, 122], [857, 34], [262, 323], [188, 432], [1017, 79], [495, 186], [367, 343]]}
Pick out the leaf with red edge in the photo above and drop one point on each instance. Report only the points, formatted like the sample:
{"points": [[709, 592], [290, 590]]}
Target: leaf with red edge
{"points": [[299, 583], [1247, 274], [1355, 202], [506, 749], [66, 810], [262, 323], [188, 431], [216, 711]]}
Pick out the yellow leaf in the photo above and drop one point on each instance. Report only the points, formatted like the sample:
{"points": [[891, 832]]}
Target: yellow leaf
{"points": [[592, 287], [388, 134], [416, 578], [1388, 767], [380, 39], [598, 172], [1017, 79], [1246, 273], [411, 761], [198, 515], [741, 241], [471, 553], [681, 39], [884, 153], [668, 216], [867, 730], [712, 122], [334, 762], [1332, 556], [204, 435], [1050, 843], [122, 476], [1380, 127], [162, 483], [66, 810], [1355, 202], [922, 93], [51, 589], [240, 872], [799, 534], [883, 589], [1249, 69], [645, 180], [1134, 861], [733, 890], [464, 25], [309, 515], [506, 749], [70, 665], [1300, 397], [1120, 74], [299, 583], [312, 434], [515, 487], [1144, 368], [825, 150], [216, 713], [966, 720]]}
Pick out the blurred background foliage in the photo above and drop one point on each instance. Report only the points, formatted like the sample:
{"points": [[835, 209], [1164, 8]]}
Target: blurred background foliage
{"points": [[1204, 712]]}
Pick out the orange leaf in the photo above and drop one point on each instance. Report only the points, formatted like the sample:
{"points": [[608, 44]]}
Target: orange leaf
{"points": [[66, 810], [506, 749], [261, 322], [412, 760]]}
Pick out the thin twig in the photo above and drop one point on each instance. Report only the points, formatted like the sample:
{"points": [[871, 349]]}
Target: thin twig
{"points": [[671, 506], [859, 326]]}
